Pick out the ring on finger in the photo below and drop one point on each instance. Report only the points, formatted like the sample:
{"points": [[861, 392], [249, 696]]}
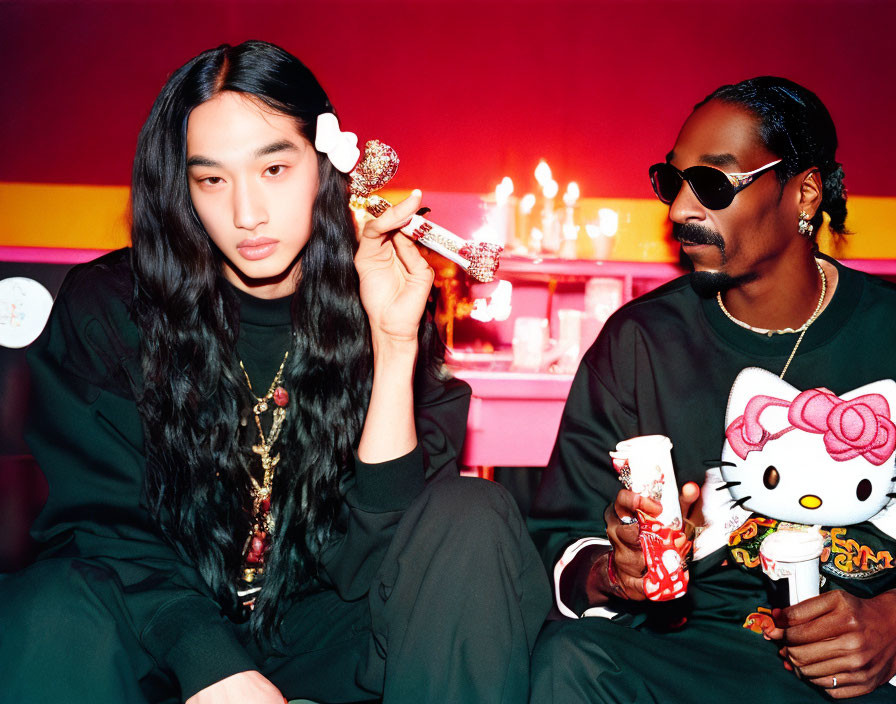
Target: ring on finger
{"points": [[834, 682], [628, 520]]}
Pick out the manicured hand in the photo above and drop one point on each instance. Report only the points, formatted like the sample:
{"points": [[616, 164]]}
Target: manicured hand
{"points": [[840, 635], [243, 687], [395, 279]]}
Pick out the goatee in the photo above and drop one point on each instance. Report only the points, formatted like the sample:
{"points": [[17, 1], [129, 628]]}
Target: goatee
{"points": [[707, 283]]}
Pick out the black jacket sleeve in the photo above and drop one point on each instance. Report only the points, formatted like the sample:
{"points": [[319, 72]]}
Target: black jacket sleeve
{"points": [[381, 492], [86, 434]]}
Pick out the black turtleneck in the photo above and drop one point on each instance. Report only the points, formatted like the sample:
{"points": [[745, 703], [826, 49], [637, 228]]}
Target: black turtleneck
{"points": [[265, 335]]}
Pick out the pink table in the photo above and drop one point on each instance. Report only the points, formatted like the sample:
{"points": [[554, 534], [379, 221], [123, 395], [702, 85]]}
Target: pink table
{"points": [[513, 417]]}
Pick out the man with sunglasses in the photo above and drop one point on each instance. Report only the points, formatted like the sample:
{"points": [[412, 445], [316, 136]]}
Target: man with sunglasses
{"points": [[747, 182]]}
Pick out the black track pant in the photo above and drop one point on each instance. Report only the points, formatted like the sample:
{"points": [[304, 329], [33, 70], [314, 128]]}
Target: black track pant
{"points": [[451, 616]]}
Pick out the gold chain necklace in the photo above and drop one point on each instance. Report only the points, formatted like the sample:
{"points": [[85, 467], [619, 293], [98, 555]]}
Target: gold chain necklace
{"points": [[802, 329], [259, 539]]}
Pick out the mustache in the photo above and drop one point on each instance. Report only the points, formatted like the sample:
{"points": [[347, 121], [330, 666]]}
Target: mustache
{"points": [[697, 234]]}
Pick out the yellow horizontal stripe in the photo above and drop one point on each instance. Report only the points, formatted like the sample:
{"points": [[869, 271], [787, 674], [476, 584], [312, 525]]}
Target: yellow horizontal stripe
{"points": [[95, 217], [84, 217]]}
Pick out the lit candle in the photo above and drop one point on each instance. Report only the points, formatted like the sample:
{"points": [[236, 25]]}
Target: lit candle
{"points": [[542, 173], [504, 190], [549, 225], [527, 203], [570, 229], [503, 216], [603, 232], [536, 237], [571, 195], [609, 221]]}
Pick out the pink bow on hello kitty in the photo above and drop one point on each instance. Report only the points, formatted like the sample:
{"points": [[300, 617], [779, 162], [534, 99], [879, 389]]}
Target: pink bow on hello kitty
{"points": [[861, 426]]}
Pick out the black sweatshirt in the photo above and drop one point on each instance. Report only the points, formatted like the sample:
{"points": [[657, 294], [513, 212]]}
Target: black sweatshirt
{"points": [[86, 434], [664, 364]]}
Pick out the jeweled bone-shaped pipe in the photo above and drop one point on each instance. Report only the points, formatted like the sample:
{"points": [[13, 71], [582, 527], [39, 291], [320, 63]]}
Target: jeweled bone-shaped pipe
{"points": [[479, 259]]}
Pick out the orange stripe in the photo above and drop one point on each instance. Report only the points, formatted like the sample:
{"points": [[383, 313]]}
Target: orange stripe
{"points": [[84, 217], [95, 217]]}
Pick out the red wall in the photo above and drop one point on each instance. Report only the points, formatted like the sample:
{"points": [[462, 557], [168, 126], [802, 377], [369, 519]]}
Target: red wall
{"points": [[467, 91]]}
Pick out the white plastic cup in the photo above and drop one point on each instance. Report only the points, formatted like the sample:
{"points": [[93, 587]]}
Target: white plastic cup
{"points": [[650, 461], [530, 339], [603, 295], [569, 340], [792, 554]]}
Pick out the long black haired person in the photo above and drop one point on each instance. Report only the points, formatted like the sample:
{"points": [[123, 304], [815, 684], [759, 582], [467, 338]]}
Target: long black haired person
{"points": [[250, 449]]}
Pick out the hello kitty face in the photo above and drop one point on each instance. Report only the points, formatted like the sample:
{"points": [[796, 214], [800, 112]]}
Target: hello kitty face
{"points": [[809, 457]]}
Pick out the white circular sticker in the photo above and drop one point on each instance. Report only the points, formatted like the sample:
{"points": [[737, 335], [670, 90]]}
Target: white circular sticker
{"points": [[24, 309]]}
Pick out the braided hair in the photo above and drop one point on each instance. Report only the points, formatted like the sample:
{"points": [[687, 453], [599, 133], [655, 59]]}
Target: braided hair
{"points": [[796, 126]]}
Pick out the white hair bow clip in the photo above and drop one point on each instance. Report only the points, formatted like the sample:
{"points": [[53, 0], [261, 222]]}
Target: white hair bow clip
{"points": [[340, 147]]}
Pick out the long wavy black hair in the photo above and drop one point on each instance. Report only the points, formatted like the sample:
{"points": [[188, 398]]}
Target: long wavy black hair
{"points": [[194, 393], [796, 126]]}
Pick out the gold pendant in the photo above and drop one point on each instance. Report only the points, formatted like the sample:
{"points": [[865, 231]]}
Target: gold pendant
{"points": [[259, 538], [268, 462]]}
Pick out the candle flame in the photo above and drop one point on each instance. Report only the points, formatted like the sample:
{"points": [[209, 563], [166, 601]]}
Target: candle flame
{"points": [[572, 194], [527, 203], [609, 221], [550, 188], [542, 173], [503, 191]]}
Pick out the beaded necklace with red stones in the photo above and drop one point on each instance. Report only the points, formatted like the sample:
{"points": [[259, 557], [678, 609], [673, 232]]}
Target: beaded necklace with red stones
{"points": [[259, 539]]}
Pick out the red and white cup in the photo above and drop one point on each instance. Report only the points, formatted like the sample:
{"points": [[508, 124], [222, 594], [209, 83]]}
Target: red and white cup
{"points": [[645, 466]]}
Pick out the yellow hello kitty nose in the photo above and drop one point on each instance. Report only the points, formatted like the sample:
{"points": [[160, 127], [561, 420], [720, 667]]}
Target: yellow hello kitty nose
{"points": [[810, 501]]}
